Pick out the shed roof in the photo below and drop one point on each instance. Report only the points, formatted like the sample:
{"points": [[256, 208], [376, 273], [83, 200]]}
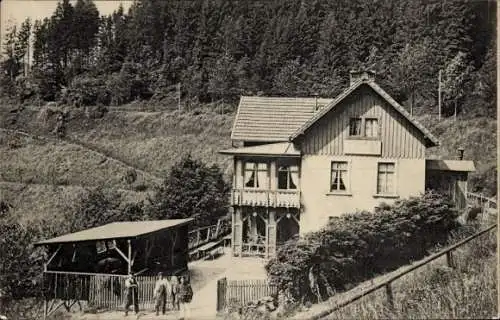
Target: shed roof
{"points": [[283, 149], [117, 230], [432, 140], [450, 165], [272, 119]]}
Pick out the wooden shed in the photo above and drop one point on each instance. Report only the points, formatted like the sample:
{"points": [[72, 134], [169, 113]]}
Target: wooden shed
{"points": [[81, 265], [449, 177]]}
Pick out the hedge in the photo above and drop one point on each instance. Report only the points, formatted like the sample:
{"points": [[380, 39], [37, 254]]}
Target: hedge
{"points": [[357, 246]]}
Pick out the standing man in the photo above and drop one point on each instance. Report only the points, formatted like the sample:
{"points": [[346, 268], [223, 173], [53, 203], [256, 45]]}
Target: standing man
{"points": [[185, 294], [132, 294], [160, 294], [174, 285]]}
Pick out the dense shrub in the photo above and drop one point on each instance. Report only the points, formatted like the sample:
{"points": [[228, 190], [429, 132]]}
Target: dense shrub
{"points": [[20, 263], [192, 189], [357, 246], [86, 91]]}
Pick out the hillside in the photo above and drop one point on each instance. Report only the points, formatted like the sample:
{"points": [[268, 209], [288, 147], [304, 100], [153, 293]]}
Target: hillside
{"points": [[42, 177]]}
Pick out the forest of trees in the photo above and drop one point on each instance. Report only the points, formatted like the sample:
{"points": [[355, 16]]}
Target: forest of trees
{"points": [[221, 49]]}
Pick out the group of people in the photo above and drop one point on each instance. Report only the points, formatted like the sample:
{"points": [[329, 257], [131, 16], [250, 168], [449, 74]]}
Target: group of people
{"points": [[177, 289]]}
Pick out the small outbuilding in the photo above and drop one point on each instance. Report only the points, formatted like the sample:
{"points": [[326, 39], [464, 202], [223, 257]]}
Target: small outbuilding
{"points": [[91, 265]]}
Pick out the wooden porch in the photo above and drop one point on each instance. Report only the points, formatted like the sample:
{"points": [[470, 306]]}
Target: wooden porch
{"points": [[257, 231]]}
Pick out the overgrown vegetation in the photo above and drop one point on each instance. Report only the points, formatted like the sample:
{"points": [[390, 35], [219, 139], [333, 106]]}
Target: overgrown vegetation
{"points": [[191, 190], [218, 50], [358, 246], [438, 292]]}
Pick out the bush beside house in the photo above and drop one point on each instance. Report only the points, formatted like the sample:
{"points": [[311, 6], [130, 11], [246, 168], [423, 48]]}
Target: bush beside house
{"points": [[355, 247]]}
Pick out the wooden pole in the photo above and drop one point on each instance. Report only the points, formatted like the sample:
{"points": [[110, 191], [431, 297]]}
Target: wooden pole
{"points": [[129, 256], [439, 96], [179, 96], [390, 297], [449, 259]]}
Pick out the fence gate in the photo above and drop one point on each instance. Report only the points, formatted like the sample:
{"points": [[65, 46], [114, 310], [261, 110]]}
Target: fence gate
{"points": [[221, 294]]}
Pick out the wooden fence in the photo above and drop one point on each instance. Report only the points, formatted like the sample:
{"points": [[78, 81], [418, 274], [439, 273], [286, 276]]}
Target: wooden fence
{"points": [[241, 292], [203, 235], [387, 284], [482, 201], [101, 291]]}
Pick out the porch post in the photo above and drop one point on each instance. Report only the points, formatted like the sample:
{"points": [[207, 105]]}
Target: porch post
{"points": [[237, 231], [271, 234], [129, 256]]}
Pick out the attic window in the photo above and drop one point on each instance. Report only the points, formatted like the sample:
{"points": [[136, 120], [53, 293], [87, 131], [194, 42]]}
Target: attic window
{"points": [[371, 128], [355, 126], [364, 127]]}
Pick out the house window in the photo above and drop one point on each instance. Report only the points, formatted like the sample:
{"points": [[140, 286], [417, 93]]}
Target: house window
{"points": [[288, 177], [255, 175], [371, 128], [355, 127], [385, 178], [339, 176]]}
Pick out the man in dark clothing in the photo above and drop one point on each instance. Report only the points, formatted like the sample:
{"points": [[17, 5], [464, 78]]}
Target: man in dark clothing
{"points": [[132, 293], [185, 295]]}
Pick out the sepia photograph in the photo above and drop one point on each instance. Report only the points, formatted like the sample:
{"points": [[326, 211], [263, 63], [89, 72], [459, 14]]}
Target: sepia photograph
{"points": [[248, 159]]}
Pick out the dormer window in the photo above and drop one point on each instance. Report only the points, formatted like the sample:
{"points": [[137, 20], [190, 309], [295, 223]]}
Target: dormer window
{"points": [[364, 127]]}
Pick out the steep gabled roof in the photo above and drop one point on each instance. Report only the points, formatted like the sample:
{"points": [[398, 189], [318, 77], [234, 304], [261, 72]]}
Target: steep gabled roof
{"points": [[433, 141], [272, 119], [282, 149]]}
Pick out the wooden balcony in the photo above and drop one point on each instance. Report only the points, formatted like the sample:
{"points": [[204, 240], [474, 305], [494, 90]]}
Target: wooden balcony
{"points": [[266, 198]]}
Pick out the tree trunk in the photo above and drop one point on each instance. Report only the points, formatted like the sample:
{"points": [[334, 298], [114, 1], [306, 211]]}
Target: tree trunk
{"points": [[412, 98], [455, 113]]}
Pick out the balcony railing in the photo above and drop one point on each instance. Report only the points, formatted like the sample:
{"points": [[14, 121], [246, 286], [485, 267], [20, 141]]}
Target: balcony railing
{"points": [[266, 198]]}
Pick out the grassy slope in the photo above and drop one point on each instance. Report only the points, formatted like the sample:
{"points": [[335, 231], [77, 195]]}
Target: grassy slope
{"points": [[478, 137], [42, 178], [438, 292], [153, 142]]}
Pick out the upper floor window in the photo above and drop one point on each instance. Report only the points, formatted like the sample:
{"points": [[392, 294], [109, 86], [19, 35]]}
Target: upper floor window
{"points": [[288, 177], [363, 127], [255, 175], [386, 178], [371, 128], [339, 174], [355, 127]]}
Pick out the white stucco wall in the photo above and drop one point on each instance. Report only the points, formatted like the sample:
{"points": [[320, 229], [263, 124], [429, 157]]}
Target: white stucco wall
{"points": [[319, 204]]}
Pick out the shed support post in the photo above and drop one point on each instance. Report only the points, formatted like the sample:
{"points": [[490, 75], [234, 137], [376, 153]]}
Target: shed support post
{"points": [[129, 256]]}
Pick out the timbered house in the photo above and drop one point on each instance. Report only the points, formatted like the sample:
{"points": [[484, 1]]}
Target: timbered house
{"points": [[299, 161]]}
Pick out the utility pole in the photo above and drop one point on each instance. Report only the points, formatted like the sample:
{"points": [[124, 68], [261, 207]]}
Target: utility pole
{"points": [[179, 96], [439, 96]]}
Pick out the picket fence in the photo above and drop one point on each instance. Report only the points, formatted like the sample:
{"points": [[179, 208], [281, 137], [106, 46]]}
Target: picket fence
{"points": [[241, 292], [101, 291]]}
